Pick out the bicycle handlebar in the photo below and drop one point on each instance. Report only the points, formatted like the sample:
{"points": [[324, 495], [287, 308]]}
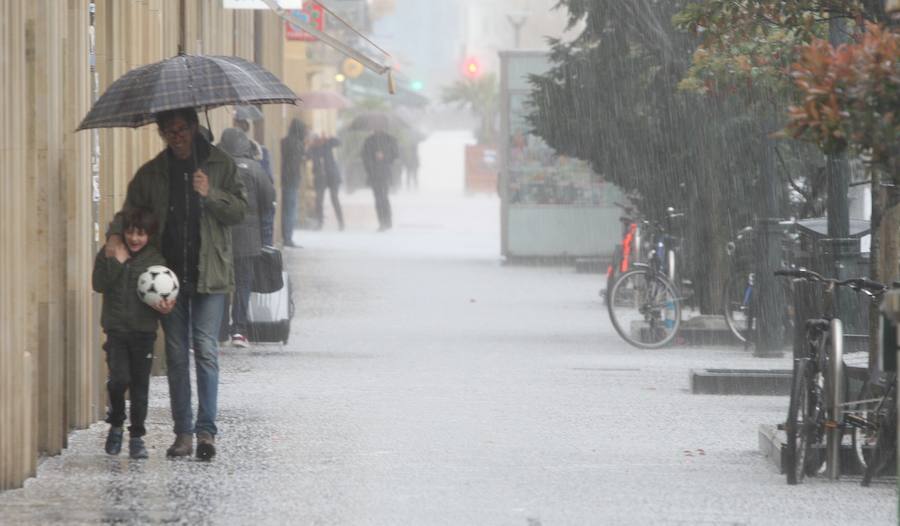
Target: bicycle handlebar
{"points": [[800, 273], [858, 284], [866, 284]]}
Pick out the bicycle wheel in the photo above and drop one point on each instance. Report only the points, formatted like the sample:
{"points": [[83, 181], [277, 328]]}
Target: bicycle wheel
{"points": [[644, 308], [805, 424], [864, 426], [885, 450], [736, 298]]}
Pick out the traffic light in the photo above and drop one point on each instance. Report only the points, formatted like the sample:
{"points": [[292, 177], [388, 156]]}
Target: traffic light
{"points": [[472, 68]]}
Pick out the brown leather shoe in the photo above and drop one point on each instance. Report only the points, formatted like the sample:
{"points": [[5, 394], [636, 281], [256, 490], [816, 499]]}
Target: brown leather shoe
{"points": [[182, 447], [206, 445]]}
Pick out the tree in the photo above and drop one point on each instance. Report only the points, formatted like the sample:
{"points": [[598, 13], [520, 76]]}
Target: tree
{"points": [[612, 98], [480, 96], [846, 97], [849, 99]]}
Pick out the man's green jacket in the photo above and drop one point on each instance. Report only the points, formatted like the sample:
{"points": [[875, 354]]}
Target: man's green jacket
{"points": [[224, 206]]}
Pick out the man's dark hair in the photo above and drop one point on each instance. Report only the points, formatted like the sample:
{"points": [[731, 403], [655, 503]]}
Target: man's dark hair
{"points": [[141, 219], [188, 114]]}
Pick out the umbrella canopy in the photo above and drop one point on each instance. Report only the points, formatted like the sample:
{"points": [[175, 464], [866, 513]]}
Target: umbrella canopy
{"points": [[324, 100], [184, 81], [247, 113], [376, 120]]}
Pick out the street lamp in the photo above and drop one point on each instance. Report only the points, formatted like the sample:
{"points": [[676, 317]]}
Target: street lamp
{"points": [[517, 19]]}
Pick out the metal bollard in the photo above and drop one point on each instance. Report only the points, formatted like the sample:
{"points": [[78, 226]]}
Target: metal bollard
{"points": [[834, 388]]}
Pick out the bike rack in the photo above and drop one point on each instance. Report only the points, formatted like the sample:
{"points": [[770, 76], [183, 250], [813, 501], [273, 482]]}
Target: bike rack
{"points": [[834, 400]]}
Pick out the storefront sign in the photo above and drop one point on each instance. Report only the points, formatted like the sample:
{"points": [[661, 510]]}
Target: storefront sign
{"points": [[312, 14]]}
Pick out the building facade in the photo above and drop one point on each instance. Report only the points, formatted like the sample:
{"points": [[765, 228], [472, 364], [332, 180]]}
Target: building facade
{"points": [[53, 211]]}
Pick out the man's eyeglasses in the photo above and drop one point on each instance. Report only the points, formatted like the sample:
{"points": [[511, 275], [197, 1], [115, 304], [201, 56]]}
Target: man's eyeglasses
{"points": [[173, 133]]}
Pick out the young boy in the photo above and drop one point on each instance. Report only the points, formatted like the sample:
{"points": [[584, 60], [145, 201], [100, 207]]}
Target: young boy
{"points": [[130, 327]]}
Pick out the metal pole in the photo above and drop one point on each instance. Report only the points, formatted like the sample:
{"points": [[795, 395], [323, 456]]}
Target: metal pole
{"points": [[838, 206], [834, 389], [517, 23], [769, 302]]}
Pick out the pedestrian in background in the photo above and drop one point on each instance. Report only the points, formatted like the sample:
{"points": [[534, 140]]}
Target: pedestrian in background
{"points": [[293, 157], [327, 177], [263, 157], [247, 236], [130, 326], [196, 194], [378, 155]]}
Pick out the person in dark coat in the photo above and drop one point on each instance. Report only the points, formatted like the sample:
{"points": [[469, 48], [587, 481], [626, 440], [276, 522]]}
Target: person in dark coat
{"points": [[379, 153], [263, 157], [293, 156], [246, 236], [327, 177], [130, 326], [197, 195]]}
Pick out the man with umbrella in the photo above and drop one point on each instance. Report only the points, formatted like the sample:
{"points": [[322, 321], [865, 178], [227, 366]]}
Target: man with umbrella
{"points": [[379, 153], [196, 192]]}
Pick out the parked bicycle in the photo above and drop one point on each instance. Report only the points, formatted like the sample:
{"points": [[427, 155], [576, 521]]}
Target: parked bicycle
{"points": [[739, 295], [645, 303], [627, 252], [818, 418]]}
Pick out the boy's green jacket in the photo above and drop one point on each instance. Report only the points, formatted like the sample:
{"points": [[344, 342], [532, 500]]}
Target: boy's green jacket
{"points": [[223, 207], [123, 309]]}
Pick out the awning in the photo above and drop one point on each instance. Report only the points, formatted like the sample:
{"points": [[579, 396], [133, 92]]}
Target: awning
{"points": [[367, 61]]}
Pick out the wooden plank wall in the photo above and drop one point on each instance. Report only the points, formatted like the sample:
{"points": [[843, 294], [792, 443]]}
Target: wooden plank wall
{"points": [[52, 372]]}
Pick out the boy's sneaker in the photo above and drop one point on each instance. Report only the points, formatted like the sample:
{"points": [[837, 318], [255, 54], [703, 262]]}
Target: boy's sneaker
{"points": [[136, 448], [182, 447], [238, 340], [206, 446], [114, 440]]}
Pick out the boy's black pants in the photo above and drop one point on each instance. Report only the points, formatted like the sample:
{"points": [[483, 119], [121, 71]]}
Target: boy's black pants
{"points": [[129, 357]]}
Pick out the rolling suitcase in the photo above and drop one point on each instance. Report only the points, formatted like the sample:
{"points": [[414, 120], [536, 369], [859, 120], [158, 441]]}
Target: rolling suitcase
{"points": [[269, 316]]}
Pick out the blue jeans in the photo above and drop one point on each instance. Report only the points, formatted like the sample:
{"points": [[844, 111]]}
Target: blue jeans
{"points": [[198, 316]]}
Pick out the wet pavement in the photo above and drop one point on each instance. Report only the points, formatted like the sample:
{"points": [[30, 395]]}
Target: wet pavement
{"points": [[426, 383]]}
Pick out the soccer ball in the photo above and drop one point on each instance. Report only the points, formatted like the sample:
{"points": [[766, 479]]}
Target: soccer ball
{"points": [[157, 283]]}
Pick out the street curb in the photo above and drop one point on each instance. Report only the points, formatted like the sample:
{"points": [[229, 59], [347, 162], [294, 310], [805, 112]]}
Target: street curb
{"points": [[768, 382], [771, 445]]}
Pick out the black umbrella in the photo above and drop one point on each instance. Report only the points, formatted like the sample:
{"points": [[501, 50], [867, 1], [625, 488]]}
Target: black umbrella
{"points": [[184, 81], [377, 120]]}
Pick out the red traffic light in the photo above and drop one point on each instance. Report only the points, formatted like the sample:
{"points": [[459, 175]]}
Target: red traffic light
{"points": [[472, 68]]}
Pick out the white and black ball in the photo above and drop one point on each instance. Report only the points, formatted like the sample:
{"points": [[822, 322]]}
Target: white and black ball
{"points": [[157, 283]]}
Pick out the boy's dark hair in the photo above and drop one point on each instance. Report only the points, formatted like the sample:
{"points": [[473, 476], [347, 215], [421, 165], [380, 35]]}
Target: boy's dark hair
{"points": [[141, 219], [188, 114]]}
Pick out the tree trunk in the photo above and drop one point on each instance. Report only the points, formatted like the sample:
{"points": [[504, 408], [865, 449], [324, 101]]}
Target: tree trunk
{"points": [[885, 248]]}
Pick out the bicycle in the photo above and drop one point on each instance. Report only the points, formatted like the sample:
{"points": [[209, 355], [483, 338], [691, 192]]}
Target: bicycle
{"points": [[644, 304], [816, 422], [626, 253], [739, 293], [875, 439]]}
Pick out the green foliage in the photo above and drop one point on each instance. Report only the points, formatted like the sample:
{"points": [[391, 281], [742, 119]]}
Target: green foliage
{"points": [[850, 97], [749, 44], [612, 98], [481, 97]]}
